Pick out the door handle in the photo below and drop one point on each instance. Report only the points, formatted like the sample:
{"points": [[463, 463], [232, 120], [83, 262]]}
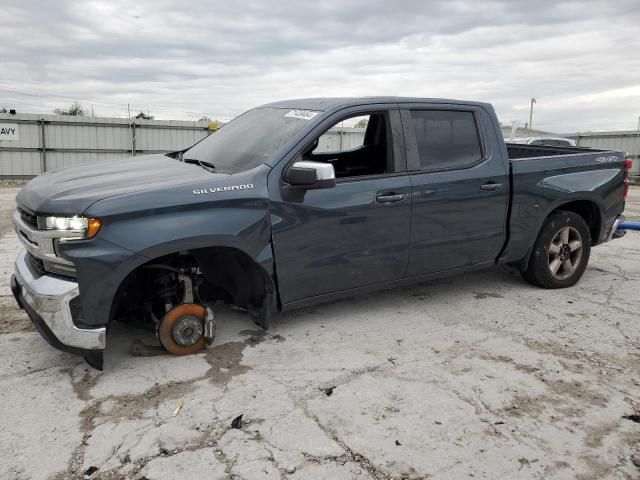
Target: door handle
{"points": [[391, 197], [491, 186]]}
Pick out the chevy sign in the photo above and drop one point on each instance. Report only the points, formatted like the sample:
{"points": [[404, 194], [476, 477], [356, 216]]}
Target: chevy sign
{"points": [[9, 131]]}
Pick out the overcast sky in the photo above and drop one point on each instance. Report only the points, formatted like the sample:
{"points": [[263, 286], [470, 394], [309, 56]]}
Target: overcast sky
{"points": [[182, 59]]}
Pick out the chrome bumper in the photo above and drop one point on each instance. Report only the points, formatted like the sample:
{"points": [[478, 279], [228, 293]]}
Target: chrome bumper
{"points": [[615, 232], [49, 298]]}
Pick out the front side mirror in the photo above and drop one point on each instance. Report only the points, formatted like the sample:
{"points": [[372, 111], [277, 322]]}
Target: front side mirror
{"points": [[311, 175]]}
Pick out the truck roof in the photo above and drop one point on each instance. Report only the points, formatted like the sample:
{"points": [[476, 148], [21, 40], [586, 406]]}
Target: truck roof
{"points": [[336, 103]]}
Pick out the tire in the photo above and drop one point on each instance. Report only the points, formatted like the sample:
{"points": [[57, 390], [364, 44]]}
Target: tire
{"points": [[561, 252]]}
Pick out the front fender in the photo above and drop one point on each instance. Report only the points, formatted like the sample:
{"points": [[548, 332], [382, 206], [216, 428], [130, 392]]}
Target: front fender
{"points": [[101, 267], [129, 240]]}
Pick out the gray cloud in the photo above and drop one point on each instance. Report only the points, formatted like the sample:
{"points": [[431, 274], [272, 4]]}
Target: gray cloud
{"points": [[184, 59]]}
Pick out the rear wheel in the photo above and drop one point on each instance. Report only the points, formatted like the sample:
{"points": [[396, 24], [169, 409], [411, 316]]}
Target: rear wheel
{"points": [[561, 252]]}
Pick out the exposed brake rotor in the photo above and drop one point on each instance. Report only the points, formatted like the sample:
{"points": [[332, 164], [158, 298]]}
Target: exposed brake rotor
{"points": [[182, 329]]}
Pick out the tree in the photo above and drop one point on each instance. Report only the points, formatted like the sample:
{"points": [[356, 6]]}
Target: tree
{"points": [[214, 125], [4, 110], [144, 116], [75, 110], [362, 123]]}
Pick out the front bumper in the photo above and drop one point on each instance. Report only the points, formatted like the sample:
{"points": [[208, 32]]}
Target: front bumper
{"points": [[46, 300]]}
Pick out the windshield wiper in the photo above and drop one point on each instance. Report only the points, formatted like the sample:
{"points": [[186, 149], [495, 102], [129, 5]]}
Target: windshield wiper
{"points": [[202, 163]]}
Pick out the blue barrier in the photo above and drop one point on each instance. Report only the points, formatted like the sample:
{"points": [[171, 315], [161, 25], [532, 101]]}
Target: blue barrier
{"points": [[629, 225]]}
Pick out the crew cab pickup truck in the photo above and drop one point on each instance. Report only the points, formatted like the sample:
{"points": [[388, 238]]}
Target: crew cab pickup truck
{"points": [[279, 209]]}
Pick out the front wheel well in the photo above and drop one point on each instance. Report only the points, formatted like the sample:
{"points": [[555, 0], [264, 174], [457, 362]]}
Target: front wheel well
{"points": [[218, 273]]}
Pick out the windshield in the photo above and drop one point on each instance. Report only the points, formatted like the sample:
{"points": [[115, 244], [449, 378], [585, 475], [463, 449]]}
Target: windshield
{"points": [[250, 139]]}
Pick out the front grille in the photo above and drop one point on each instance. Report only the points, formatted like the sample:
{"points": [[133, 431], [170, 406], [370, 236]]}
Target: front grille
{"points": [[28, 218], [37, 264]]}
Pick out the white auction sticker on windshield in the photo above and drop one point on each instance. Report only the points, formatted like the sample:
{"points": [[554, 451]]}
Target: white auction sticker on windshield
{"points": [[302, 114]]}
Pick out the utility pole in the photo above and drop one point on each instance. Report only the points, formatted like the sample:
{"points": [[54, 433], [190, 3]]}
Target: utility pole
{"points": [[533, 100], [132, 129], [638, 156]]}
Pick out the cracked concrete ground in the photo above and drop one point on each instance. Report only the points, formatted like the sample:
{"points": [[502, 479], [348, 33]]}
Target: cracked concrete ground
{"points": [[480, 375]]}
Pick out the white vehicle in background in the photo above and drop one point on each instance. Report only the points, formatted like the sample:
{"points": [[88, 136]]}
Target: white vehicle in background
{"points": [[548, 141]]}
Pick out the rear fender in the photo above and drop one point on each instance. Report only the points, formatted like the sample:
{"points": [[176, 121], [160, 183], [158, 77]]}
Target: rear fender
{"points": [[558, 205], [536, 194]]}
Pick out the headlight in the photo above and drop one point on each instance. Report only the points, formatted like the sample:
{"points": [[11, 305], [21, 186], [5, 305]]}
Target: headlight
{"points": [[65, 223], [78, 227]]}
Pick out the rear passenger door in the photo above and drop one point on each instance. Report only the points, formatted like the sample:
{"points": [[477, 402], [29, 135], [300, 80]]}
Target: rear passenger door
{"points": [[459, 187]]}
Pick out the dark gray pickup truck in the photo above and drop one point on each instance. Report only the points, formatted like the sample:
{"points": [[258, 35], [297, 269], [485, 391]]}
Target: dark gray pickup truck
{"points": [[278, 210]]}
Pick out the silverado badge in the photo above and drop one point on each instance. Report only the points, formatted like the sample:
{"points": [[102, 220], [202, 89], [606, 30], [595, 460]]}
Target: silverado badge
{"points": [[244, 186]]}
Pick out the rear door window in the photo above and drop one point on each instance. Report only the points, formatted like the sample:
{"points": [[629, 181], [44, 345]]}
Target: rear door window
{"points": [[446, 139]]}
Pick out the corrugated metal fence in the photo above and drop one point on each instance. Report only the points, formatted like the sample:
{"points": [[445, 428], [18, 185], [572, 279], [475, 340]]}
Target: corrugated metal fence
{"points": [[339, 139], [628, 142], [625, 141], [32, 144]]}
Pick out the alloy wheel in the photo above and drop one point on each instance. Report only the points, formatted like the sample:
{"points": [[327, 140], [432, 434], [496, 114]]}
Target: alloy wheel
{"points": [[565, 253]]}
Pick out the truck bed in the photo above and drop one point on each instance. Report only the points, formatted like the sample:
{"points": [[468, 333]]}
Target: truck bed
{"points": [[544, 177], [517, 151]]}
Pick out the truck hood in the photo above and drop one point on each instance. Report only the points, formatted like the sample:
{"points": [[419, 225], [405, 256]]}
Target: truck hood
{"points": [[73, 190]]}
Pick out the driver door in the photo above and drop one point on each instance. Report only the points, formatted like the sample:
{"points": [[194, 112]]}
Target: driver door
{"points": [[355, 234]]}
